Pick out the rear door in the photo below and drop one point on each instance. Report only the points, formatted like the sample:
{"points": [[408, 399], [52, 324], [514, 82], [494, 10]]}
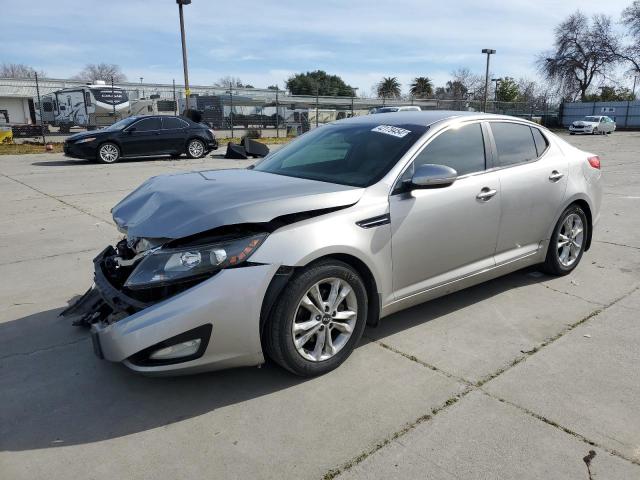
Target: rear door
{"points": [[173, 138], [533, 179], [443, 234], [142, 137]]}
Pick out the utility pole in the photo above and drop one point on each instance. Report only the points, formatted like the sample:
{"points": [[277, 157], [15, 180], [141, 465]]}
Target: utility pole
{"points": [[489, 52], [142, 78], [44, 140], [187, 90]]}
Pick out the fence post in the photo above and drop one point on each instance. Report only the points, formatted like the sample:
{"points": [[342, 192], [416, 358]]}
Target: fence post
{"points": [[44, 140], [175, 101], [277, 115]]}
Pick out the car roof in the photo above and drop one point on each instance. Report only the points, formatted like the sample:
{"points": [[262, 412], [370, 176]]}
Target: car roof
{"points": [[423, 118]]}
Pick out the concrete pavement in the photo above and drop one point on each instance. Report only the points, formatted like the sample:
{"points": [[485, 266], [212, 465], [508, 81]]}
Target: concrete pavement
{"points": [[517, 378]]}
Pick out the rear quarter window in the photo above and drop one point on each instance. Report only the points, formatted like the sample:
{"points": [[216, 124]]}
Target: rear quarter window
{"points": [[540, 140], [514, 143]]}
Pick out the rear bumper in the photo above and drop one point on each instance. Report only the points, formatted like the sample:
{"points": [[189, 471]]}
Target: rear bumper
{"points": [[230, 302]]}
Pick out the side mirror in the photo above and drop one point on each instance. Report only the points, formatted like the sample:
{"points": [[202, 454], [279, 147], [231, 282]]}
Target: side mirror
{"points": [[433, 176], [131, 130]]}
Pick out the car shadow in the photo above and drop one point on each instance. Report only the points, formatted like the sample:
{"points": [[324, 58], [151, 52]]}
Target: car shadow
{"points": [[55, 392], [80, 161]]}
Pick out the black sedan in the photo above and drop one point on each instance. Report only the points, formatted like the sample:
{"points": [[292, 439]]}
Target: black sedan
{"points": [[142, 136]]}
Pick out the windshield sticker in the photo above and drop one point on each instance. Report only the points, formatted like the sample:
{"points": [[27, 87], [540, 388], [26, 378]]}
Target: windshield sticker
{"points": [[389, 130]]}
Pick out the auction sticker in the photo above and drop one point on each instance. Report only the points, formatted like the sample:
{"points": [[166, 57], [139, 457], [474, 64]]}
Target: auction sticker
{"points": [[389, 130]]}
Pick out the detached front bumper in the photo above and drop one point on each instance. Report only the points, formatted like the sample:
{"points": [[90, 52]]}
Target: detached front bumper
{"points": [[226, 305]]}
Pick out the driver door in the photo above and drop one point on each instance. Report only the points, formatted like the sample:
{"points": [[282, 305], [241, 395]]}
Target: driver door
{"points": [[440, 235]]}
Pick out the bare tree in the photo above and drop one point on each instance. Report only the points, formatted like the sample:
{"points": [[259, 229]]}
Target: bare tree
{"points": [[583, 51], [224, 82], [101, 71], [19, 70], [630, 53]]}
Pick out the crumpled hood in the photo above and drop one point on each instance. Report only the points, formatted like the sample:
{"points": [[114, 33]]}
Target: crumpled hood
{"points": [[176, 206]]}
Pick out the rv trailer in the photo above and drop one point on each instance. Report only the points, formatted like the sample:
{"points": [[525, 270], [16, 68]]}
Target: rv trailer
{"points": [[90, 106]]}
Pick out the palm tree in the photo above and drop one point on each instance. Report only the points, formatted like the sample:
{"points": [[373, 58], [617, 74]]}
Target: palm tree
{"points": [[389, 87], [422, 87]]}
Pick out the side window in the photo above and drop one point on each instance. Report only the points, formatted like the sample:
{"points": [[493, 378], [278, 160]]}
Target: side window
{"points": [[540, 141], [148, 125], [459, 148], [514, 143], [170, 123]]}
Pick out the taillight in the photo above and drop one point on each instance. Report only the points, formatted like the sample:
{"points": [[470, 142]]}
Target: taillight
{"points": [[594, 161]]}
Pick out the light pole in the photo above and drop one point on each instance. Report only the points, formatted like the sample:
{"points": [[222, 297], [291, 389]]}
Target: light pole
{"points": [[142, 78], [489, 52], [187, 91], [317, 98]]}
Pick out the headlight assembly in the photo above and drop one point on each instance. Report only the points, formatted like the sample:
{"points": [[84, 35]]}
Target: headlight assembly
{"points": [[167, 266], [86, 140]]}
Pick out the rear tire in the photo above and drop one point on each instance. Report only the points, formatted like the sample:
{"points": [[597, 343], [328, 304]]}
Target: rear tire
{"points": [[310, 332], [195, 148], [108, 153], [567, 242]]}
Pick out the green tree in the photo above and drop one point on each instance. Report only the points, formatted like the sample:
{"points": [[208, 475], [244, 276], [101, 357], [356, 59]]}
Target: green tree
{"points": [[611, 94], [422, 87], [329, 85], [389, 87], [508, 90]]}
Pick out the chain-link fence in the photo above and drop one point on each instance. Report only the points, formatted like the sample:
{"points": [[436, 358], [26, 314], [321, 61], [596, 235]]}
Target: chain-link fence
{"points": [[66, 105]]}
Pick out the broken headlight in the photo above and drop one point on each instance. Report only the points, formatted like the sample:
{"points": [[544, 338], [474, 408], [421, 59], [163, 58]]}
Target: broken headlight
{"points": [[167, 266]]}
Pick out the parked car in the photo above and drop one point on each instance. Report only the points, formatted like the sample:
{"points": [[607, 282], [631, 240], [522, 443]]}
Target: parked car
{"points": [[598, 124], [349, 223], [143, 136], [404, 108]]}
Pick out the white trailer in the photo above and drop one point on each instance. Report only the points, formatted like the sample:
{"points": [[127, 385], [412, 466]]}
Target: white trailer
{"points": [[90, 106]]}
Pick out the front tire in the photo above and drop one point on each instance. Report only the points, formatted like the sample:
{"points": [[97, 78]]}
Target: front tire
{"points": [[318, 319], [567, 242], [195, 148], [108, 153]]}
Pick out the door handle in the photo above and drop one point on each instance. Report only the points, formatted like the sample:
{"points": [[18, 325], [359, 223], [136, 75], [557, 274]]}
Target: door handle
{"points": [[486, 194], [555, 176]]}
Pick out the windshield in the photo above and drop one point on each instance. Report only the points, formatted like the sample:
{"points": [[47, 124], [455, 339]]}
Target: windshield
{"points": [[119, 125], [347, 154], [591, 119], [388, 109]]}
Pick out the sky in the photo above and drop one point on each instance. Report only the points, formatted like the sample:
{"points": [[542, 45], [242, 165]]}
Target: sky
{"points": [[265, 42]]}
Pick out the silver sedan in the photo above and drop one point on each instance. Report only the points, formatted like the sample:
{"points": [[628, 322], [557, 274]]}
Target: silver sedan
{"points": [[353, 221]]}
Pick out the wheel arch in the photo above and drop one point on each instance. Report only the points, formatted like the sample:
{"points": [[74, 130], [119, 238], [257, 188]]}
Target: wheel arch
{"points": [[285, 273], [586, 207], [109, 140]]}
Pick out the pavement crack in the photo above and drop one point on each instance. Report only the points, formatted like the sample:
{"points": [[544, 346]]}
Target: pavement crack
{"points": [[420, 362], [334, 472], [566, 430], [470, 387], [617, 244], [570, 294], [44, 349], [48, 256]]}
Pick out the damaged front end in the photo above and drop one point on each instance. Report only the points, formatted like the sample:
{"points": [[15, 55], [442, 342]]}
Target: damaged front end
{"points": [[138, 273]]}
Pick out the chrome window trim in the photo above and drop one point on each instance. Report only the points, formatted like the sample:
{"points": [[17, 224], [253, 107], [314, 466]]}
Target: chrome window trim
{"points": [[433, 135]]}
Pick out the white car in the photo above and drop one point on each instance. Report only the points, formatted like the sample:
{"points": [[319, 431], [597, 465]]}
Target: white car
{"points": [[598, 124]]}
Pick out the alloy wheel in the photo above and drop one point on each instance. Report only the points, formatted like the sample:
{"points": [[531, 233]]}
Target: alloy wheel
{"points": [[108, 153], [196, 148], [324, 319], [570, 240]]}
